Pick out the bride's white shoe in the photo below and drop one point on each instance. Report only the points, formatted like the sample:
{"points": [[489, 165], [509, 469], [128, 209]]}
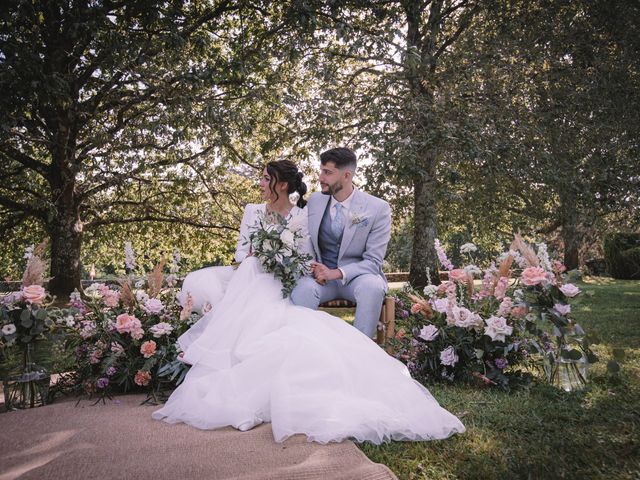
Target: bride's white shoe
{"points": [[249, 424]]}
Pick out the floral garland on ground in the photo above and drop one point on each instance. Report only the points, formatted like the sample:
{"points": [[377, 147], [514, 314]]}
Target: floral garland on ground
{"points": [[517, 320]]}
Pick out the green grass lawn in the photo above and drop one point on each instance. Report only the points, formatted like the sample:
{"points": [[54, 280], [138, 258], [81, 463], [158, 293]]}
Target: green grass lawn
{"points": [[543, 433]]}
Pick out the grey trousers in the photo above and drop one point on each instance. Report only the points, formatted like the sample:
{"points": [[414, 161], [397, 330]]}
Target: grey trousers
{"points": [[366, 290]]}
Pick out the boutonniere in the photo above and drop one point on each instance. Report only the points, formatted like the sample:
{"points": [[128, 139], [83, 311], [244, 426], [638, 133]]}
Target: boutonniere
{"points": [[359, 220]]}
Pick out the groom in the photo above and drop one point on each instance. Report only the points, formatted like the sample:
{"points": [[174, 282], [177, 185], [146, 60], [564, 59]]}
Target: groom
{"points": [[349, 230]]}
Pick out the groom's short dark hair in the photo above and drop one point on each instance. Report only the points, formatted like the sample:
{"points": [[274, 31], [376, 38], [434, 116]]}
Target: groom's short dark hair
{"points": [[341, 156]]}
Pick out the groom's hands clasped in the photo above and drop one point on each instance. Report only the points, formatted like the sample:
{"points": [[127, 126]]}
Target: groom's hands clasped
{"points": [[324, 274]]}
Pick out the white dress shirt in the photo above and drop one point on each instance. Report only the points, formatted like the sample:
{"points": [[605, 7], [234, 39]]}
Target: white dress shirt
{"points": [[346, 203]]}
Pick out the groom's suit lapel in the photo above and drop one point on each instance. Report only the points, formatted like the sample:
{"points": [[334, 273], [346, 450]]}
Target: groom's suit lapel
{"points": [[357, 208], [314, 221]]}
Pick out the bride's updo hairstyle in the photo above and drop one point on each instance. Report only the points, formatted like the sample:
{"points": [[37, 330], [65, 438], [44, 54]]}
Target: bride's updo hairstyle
{"points": [[287, 171]]}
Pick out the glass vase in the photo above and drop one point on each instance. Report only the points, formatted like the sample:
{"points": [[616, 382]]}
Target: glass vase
{"points": [[569, 375], [29, 387]]}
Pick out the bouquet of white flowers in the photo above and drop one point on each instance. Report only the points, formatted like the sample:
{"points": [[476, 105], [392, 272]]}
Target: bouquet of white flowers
{"points": [[277, 243]]}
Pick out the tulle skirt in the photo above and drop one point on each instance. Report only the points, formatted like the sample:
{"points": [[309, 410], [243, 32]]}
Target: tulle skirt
{"points": [[258, 358]]}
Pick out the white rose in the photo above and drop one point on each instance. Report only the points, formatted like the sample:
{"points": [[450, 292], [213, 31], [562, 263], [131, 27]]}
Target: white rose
{"points": [[448, 356], [562, 309], [570, 290], [428, 333], [465, 318], [287, 238], [161, 329], [497, 328], [440, 305], [153, 306], [9, 329], [141, 296]]}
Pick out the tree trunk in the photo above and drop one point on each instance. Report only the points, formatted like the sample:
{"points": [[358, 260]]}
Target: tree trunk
{"points": [[570, 233], [66, 242], [65, 226], [424, 257]]}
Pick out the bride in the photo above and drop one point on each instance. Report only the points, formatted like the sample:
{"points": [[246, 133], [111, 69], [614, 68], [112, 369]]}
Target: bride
{"points": [[258, 358]]}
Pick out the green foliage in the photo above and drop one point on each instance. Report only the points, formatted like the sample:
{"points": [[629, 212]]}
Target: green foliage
{"points": [[622, 254]]}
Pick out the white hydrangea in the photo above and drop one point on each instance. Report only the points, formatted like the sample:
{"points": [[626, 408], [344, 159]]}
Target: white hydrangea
{"points": [[468, 248]]}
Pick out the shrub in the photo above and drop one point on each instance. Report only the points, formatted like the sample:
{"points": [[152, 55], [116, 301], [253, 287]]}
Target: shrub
{"points": [[622, 254]]}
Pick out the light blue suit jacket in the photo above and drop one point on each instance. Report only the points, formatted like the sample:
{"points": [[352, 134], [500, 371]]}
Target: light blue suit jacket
{"points": [[366, 233]]}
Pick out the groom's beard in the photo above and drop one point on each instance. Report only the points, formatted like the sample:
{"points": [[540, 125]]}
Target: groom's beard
{"points": [[332, 189]]}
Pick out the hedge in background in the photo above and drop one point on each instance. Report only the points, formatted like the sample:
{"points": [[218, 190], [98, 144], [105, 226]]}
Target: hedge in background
{"points": [[622, 254]]}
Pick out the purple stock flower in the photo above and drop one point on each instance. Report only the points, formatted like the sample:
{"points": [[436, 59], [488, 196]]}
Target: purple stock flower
{"points": [[102, 382], [110, 371], [404, 314]]}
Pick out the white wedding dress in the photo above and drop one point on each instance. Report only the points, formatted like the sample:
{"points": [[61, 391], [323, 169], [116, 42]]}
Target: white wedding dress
{"points": [[258, 358]]}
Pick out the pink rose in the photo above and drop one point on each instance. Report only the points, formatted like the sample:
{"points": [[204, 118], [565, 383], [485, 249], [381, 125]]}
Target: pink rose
{"points": [[562, 309], [34, 294], [519, 311], [558, 267], [442, 288], [570, 290], [458, 275], [142, 378], [534, 276], [415, 308], [148, 348]]}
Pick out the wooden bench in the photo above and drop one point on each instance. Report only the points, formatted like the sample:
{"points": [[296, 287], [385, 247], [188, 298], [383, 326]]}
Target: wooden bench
{"points": [[386, 322]]}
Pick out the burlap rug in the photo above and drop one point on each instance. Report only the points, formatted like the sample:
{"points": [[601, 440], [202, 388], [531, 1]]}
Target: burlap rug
{"points": [[119, 440]]}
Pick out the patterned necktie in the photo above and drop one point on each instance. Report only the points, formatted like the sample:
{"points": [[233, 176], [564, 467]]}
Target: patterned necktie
{"points": [[337, 224]]}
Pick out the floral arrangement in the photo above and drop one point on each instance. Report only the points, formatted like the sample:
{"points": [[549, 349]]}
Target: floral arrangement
{"points": [[517, 319], [25, 315], [277, 244], [124, 337]]}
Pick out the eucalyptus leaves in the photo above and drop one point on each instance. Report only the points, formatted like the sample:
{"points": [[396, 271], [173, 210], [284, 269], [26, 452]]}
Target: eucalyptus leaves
{"points": [[277, 243]]}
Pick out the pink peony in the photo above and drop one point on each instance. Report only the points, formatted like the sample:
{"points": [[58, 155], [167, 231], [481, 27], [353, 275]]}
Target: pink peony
{"points": [[448, 356], [534, 276], [34, 294], [570, 290], [497, 328], [142, 378], [458, 275], [562, 309], [148, 348]]}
